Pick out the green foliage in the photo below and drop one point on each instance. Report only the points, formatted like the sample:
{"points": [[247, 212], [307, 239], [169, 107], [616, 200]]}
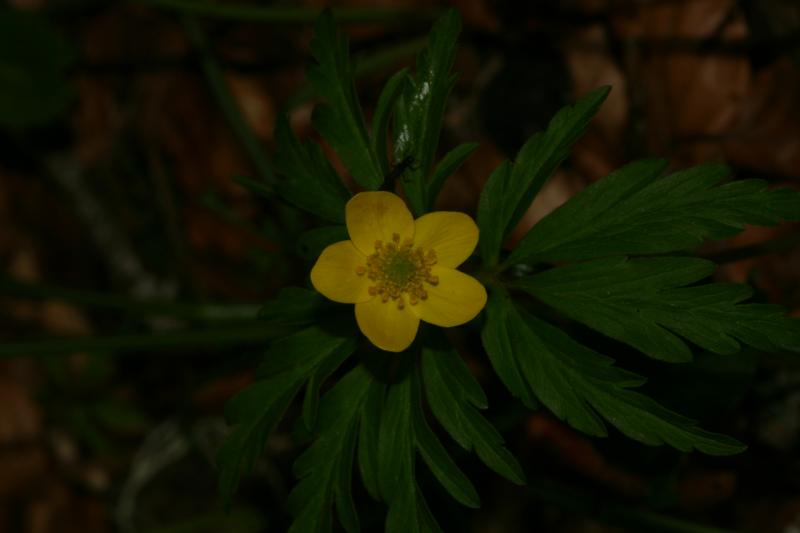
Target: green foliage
{"points": [[420, 110], [645, 302], [632, 211], [455, 397], [580, 386], [253, 413], [325, 469], [256, 411], [310, 181], [340, 121], [383, 113], [446, 167], [407, 508], [654, 304], [368, 436], [33, 62], [512, 187]]}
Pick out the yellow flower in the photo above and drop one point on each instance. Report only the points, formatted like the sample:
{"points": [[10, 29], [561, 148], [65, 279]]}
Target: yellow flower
{"points": [[398, 271]]}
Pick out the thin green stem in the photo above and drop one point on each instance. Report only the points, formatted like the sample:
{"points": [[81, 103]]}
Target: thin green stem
{"points": [[576, 501], [293, 15], [226, 101], [188, 311], [204, 339]]}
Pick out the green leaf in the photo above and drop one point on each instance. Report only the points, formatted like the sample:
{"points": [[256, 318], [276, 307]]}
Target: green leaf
{"points": [[645, 303], [407, 508], [446, 167], [418, 121], [368, 436], [312, 242], [325, 468], [322, 372], [438, 460], [255, 412], [33, 63], [293, 304], [496, 339], [454, 406], [395, 441], [310, 182], [408, 512], [341, 121], [510, 190], [583, 387], [383, 111], [632, 211], [303, 351]]}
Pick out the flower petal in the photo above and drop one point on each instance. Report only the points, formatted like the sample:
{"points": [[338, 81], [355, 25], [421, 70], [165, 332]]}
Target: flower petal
{"points": [[376, 216], [386, 326], [455, 300], [334, 274], [451, 234]]}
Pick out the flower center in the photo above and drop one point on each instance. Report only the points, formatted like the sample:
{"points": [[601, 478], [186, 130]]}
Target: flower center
{"points": [[399, 271]]}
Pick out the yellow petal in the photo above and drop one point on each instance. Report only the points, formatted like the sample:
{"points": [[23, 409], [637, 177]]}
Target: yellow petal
{"points": [[455, 300], [451, 234], [334, 274], [377, 216], [386, 326]]}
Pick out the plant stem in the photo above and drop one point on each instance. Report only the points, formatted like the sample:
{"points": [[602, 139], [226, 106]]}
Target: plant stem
{"points": [[189, 311], [226, 101], [204, 339], [292, 15]]}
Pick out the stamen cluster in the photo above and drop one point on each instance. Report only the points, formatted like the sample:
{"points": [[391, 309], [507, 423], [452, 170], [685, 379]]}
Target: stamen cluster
{"points": [[399, 269]]}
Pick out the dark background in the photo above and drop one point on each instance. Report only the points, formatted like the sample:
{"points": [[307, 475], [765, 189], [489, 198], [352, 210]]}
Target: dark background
{"points": [[120, 190]]}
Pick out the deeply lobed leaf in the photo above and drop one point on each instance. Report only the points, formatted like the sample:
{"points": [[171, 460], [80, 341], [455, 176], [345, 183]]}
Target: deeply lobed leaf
{"points": [[512, 187], [396, 470], [310, 182], [256, 411], [341, 121], [420, 111], [454, 400], [645, 303], [583, 387], [633, 211], [325, 468]]}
